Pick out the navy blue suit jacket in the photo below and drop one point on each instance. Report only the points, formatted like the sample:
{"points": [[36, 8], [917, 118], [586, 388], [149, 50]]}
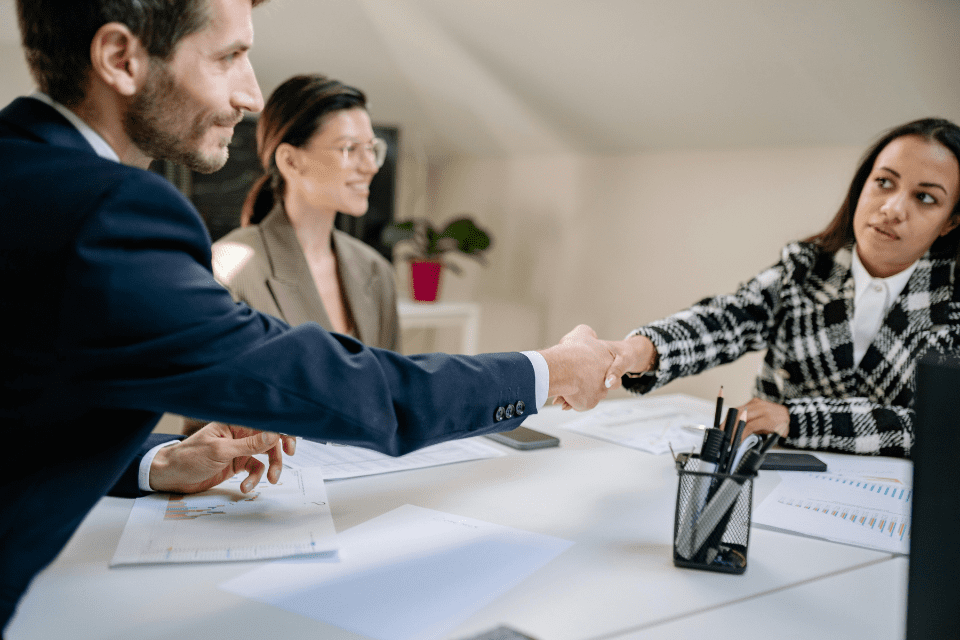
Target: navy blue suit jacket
{"points": [[112, 316]]}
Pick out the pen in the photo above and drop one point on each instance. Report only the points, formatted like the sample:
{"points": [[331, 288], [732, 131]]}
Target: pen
{"points": [[728, 429], [735, 442]]}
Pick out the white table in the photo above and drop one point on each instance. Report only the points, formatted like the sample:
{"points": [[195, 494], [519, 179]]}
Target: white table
{"points": [[616, 581], [463, 316]]}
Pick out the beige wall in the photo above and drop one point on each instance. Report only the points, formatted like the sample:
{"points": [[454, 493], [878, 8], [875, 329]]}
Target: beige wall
{"points": [[615, 242], [15, 80]]}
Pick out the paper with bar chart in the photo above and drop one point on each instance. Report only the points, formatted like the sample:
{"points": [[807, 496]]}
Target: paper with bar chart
{"points": [[860, 511], [290, 518]]}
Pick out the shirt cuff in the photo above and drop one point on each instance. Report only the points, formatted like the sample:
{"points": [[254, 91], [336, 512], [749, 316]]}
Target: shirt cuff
{"points": [[143, 479], [541, 373]]}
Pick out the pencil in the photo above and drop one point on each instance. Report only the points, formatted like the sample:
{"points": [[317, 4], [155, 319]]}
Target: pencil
{"points": [[716, 419]]}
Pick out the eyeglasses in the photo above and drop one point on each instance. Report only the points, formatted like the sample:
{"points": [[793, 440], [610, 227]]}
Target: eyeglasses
{"points": [[352, 152]]}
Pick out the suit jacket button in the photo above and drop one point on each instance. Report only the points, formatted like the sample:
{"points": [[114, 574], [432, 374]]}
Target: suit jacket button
{"points": [[509, 411], [498, 416], [520, 407]]}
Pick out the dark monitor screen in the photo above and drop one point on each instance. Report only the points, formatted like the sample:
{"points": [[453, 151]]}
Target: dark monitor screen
{"points": [[933, 598]]}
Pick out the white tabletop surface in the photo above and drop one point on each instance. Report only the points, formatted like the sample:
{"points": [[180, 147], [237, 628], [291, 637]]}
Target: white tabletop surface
{"points": [[617, 580]]}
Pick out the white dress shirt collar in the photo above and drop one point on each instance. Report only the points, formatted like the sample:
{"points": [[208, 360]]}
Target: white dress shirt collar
{"points": [[99, 145], [872, 299], [894, 284]]}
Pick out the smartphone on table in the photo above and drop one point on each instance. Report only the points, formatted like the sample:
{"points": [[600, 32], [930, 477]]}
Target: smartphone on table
{"points": [[524, 438], [783, 461]]}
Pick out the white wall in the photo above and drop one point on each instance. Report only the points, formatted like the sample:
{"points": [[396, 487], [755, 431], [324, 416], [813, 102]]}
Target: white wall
{"points": [[15, 80], [615, 242]]}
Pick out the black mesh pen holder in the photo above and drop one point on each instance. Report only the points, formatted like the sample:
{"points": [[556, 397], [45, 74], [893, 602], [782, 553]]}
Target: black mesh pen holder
{"points": [[711, 525]]}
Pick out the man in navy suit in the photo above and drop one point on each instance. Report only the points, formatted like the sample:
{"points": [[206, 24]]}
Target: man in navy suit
{"points": [[112, 314]]}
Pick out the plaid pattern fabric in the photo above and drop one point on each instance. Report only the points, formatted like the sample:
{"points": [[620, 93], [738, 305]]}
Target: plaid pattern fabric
{"points": [[799, 310]]}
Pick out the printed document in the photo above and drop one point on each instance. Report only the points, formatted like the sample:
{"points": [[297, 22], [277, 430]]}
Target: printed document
{"points": [[655, 424], [350, 462], [862, 501], [221, 524]]}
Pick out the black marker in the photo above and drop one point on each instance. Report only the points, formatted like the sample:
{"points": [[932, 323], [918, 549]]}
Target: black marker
{"points": [[728, 429]]}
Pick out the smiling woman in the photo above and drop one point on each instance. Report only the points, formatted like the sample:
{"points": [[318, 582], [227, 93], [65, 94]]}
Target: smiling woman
{"points": [[317, 147]]}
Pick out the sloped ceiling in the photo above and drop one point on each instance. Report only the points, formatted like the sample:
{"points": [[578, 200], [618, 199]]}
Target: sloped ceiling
{"points": [[498, 77]]}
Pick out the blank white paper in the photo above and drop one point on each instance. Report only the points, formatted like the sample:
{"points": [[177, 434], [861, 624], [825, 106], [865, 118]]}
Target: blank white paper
{"points": [[409, 574]]}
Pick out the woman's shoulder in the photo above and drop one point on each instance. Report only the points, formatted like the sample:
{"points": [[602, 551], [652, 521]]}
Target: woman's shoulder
{"points": [[236, 253], [801, 251], [803, 260]]}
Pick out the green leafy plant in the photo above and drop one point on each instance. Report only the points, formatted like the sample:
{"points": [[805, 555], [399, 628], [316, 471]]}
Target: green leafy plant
{"points": [[420, 240]]}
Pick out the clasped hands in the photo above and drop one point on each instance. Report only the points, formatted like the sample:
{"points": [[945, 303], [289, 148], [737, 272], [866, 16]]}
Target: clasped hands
{"points": [[583, 368]]}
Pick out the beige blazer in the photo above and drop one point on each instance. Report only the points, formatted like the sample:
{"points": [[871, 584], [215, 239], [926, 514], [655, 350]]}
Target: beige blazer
{"points": [[264, 266]]}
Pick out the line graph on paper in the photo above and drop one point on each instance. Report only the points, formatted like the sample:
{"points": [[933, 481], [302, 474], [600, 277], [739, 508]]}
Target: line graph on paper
{"points": [[856, 511]]}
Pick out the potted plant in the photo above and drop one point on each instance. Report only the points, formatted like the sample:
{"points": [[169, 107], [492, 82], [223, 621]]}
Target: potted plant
{"points": [[426, 248]]}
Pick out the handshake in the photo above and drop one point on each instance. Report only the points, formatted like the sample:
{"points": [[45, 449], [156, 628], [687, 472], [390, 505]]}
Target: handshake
{"points": [[583, 367]]}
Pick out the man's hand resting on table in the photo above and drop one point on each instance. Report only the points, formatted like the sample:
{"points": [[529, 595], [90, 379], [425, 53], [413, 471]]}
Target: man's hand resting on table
{"points": [[217, 452]]}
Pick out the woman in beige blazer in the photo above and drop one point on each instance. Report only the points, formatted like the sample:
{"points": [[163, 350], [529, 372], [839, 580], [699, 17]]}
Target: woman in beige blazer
{"points": [[319, 154]]}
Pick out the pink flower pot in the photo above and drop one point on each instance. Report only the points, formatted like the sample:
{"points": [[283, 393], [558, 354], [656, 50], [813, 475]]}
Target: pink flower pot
{"points": [[425, 279]]}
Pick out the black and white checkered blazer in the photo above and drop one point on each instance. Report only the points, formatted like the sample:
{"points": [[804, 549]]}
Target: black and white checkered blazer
{"points": [[799, 310]]}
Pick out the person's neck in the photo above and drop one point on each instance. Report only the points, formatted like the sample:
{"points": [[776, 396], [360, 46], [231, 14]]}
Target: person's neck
{"points": [[314, 227], [882, 270], [103, 111]]}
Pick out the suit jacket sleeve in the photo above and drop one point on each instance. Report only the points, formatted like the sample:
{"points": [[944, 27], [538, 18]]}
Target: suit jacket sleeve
{"points": [[128, 485], [157, 332]]}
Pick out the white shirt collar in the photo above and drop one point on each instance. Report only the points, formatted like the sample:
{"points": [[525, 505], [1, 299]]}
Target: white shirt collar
{"points": [[99, 145], [894, 284]]}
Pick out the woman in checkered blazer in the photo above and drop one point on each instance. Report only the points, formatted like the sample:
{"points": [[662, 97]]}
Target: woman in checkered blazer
{"points": [[844, 315]]}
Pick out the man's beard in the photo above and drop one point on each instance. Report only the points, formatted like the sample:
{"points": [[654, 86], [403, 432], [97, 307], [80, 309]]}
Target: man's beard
{"points": [[165, 125]]}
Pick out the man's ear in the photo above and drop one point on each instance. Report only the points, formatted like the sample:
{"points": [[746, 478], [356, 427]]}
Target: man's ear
{"points": [[118, 58]]}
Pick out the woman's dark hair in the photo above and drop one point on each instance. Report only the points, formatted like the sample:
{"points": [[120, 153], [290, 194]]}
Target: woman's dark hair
{"points": [[294, 112], [839, 233], [56, 35]]}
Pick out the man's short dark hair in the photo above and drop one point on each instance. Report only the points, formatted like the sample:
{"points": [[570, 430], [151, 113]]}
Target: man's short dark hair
{"points": [[56, 35]]}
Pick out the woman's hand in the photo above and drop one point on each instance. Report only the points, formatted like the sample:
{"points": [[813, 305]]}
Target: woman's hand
{"points": [[765, 417]]}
